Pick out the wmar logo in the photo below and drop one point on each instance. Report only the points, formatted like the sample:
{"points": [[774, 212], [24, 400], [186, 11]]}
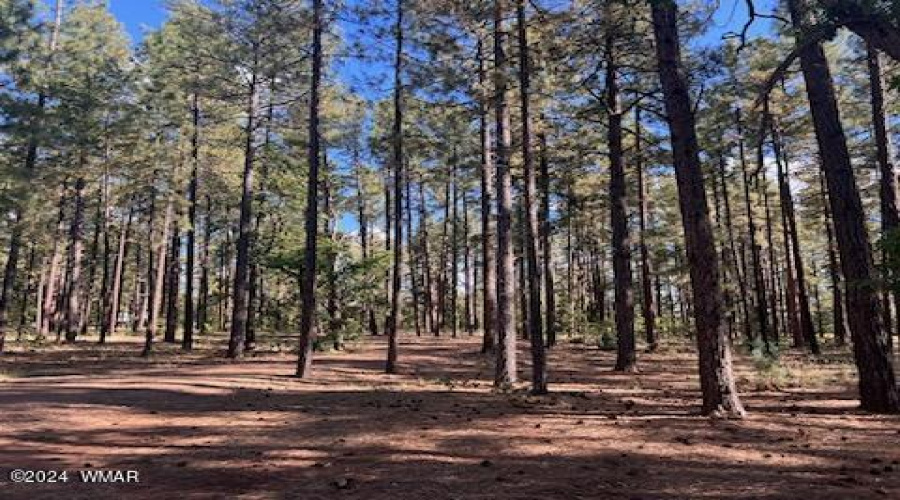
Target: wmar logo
{"points": [[110, 476]]}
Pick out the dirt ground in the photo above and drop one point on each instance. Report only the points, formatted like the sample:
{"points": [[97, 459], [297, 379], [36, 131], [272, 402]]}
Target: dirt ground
{"points": [[196, 426]]}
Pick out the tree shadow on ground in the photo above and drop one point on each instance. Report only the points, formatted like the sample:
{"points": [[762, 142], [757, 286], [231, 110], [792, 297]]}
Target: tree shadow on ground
{"points": [[206, 429]]}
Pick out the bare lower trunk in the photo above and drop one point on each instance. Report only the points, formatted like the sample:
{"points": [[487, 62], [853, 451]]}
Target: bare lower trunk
{"points": [[397, 139], [51, 289], [532, 223], [111, 319], [454, 250], [311, 226], [546, 248], [716, 377], [877, 383], [626, 356], [173, 279], [646, 266], [187, 339], [807, 330], [505, 369], [363, 216], [737, 264], [834, 271], [157, 278], [73, 265], [430, 312], [759, 287], [205, 264], [489, 275], [890, 218], [241, 284]]}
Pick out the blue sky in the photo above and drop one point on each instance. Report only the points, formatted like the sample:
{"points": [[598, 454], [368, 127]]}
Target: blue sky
{"points": [[138, 14]]}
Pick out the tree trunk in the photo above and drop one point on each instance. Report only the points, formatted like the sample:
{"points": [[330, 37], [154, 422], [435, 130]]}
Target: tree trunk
{"points": [[414, 261], [27, 289], [759, 287], [254, 295], [738, 265], [108, 326], [172, 281], [505, 368], [444, 260], [86, 291], [241, 287], [523, 314], [31, 156], [532, 223], [363, 216], [140, 292], [728, 271], [546, 249], [103, 300], [468, 269], [807, 330], [890, 218], [308, 280], [489, 275], [877, 384], [646, 266], [430, 313], [397, 139], [834, 271], [330, 230], [203, 299], [187, 339], [626, 356], [774, 294], [157, 277], [73, 263], [716, 378], [454, 250]]}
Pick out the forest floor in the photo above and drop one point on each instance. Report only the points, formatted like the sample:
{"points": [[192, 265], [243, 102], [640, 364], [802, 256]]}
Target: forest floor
{"points": [[197, 426]]}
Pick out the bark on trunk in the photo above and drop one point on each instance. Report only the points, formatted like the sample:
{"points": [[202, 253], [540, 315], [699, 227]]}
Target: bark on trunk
{"points": [[646, 267], [716, 378], [157, 272], [187, 339], [532, 224], [807, 330], [546, 248], [626, 356], [489, 275], [205, 263], [890, 218], [397, 139], [736, 261], [172, 281], [72, 286], [115, 297], [877, 383], [363, 216], [241, 286], [505, 368], [759, 287], [308, 280]]}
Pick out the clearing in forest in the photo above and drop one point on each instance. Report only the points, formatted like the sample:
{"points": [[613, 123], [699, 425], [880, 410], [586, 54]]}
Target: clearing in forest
{"points": [[197, 426]]}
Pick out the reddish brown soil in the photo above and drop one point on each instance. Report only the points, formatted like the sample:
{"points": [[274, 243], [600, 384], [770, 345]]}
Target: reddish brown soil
{"points": [[199, 427]]}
